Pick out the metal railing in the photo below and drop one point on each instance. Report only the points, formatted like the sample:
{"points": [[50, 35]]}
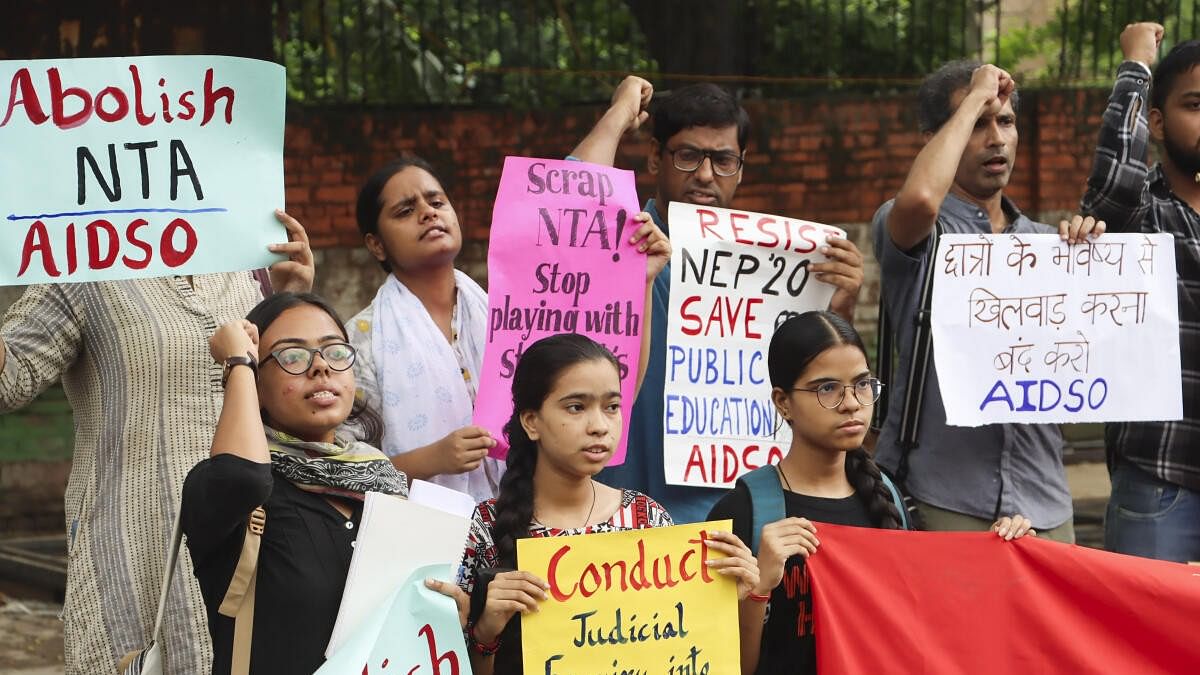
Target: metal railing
{"points": [[546, 52]]}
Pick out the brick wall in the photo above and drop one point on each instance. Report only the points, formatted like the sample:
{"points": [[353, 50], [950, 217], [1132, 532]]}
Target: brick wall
{"points": [[833, 159]]}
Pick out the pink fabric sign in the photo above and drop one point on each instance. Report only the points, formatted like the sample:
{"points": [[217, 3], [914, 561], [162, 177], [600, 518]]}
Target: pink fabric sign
{"points": [[560, 261]]}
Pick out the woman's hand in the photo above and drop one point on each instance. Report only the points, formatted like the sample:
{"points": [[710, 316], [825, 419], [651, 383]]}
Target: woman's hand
{"points": [[781, 540], [236, 338], [651, 241], [463, 450], [1014, 527], [509, 593], [739, 563], [295, 274], [452, 591]]}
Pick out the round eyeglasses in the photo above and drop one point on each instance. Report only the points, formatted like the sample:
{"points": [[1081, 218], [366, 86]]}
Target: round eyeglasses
{"points": [[724, 163], [296, 360], [831, 394]]}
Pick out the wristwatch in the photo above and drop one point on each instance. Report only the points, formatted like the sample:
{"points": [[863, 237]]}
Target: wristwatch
{"points": [[233, 361]]}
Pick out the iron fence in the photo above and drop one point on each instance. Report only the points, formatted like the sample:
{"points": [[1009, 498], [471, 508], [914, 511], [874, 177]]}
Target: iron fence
{"points": [[547, 52]]}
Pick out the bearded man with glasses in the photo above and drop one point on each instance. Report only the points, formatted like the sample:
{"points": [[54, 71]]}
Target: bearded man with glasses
{"points": [[697, 154]]}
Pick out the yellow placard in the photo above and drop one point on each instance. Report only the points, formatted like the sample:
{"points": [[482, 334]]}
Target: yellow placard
{"points": [[641, 602]]}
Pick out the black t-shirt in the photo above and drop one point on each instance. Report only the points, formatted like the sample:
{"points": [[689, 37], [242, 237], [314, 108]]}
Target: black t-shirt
{"points": [[302, 561], [788, 647]]}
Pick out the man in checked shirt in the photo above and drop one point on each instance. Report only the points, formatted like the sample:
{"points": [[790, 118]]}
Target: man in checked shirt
{"points": [[1155, 466]]}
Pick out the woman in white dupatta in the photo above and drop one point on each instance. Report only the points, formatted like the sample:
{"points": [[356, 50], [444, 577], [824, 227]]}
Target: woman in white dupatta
{"points": [[420, 342]]}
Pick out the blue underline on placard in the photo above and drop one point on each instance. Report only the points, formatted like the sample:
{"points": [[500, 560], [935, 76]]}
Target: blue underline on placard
{"points": [[215, 209]]}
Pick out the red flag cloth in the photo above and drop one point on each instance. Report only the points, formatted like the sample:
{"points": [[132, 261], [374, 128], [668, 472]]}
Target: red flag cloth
{"points": [[894, 602]]}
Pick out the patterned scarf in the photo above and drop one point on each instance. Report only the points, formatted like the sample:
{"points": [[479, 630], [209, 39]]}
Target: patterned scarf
{"points": [[344, 469]]}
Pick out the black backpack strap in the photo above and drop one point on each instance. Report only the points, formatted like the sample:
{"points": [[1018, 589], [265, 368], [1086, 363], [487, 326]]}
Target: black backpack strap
{"points": [[918, 372], [883, 363]]}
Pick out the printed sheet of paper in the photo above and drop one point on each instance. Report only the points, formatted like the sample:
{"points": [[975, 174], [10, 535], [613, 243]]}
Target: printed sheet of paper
{"points": [[1027, 328], [119, 168], [737, 276], [642, 601], [560, 261]]}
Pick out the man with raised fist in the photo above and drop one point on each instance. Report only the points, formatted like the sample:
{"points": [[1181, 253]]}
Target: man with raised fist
{"points": [[962, 478], [1154, 510]]}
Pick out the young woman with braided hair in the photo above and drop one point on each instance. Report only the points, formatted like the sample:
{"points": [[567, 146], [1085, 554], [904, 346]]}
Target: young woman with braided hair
{"points": [[566, 421], [823, 390]]}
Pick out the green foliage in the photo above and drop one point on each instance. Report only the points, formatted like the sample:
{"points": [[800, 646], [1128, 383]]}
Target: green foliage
{"points": [[532, 53], [513, 52], [1081, 44], [41, 431]]}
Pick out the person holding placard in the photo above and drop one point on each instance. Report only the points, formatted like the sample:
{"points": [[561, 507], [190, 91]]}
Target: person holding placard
{"points": [[145, 400], [288, 387], [696, 156], [1154, 510], [962, 478], [421, 339], [824, 391], [566, 422]]}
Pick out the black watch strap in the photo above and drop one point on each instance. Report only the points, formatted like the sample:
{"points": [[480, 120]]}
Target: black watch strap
{"points": [[233, 361]]}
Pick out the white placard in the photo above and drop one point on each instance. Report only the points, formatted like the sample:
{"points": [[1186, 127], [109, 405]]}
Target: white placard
{"points": [[737, 275], [385, 555], [1030, 329]]}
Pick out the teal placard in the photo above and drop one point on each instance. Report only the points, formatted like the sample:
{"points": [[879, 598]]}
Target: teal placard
{"points": [[120, 168]]}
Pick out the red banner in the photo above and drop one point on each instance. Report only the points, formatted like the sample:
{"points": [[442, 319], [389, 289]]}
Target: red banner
{"points": [[966, 602]]}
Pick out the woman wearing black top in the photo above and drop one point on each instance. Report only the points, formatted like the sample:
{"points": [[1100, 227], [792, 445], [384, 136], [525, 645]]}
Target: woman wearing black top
{"points": [[274, 446], [823, 390]]}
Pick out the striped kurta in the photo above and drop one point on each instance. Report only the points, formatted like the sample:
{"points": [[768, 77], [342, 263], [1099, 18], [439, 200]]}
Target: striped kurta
{"points": [[133, 358]]}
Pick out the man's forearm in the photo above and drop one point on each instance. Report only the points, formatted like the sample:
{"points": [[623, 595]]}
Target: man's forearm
{"points": [[932, 175], [600, 145], [1117, 187]]}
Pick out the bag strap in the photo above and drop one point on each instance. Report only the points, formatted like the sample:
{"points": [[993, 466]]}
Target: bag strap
{"points": [[766, 501], [168, 574], [263, 278], [898, 500], [918, 372], [239, 598]]}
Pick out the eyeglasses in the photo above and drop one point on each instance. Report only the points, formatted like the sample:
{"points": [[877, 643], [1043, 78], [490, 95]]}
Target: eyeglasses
{"points": [[296, 360], [724, 163], [831, 394]]}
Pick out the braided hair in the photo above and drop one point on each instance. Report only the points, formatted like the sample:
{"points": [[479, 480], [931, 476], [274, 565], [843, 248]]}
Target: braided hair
{"points": [[794, 345], [537, 372]]}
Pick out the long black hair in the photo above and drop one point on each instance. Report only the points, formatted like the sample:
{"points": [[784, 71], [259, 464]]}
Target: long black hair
{"points": [[537, 372], [794, 345]]}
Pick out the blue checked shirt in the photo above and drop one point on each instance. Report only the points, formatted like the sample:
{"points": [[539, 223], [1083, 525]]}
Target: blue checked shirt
{"points": [[1133, 197]]}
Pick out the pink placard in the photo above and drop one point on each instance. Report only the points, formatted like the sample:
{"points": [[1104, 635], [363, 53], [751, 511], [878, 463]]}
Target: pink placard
{"points": [[560, 261]]}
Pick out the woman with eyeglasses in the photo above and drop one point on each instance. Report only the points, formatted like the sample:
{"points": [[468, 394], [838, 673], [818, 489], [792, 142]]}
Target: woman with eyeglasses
{"points": [[823, 390], [289, 384]]}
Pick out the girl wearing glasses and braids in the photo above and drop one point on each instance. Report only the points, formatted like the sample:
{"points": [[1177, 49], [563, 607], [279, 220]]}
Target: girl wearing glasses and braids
{"points": [[823, 390], [288, 386]]}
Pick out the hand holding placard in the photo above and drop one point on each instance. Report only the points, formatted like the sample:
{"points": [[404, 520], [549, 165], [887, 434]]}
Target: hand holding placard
{"points": [[639, 601], [1036, 329]]}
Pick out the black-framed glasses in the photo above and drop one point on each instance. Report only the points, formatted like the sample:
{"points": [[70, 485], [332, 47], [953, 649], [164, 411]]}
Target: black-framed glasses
{"points": [[296, 360], [831, 394], [724, 163]]}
